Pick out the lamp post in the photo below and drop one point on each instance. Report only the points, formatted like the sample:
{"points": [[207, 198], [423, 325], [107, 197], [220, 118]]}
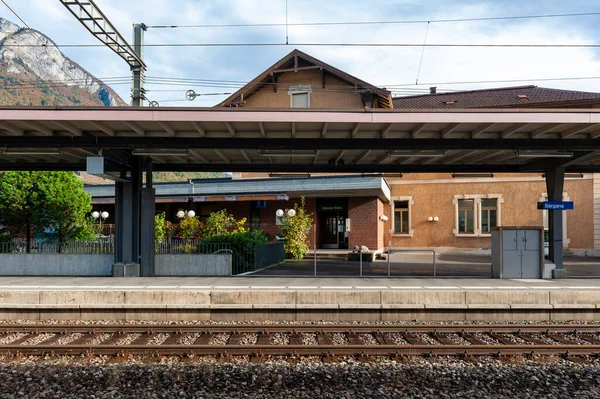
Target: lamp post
{"points": [[181, 214], [100, 216]]}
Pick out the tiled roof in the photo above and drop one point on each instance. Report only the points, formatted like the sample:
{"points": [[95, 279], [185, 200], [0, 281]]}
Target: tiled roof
{"points": [[287, 63], [521, 96]]}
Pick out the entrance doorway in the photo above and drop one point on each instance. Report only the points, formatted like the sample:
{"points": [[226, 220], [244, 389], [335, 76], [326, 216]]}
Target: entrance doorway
{"points": [[332, 216]]}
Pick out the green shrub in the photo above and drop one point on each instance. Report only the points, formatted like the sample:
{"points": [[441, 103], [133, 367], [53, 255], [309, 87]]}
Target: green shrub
{"points": [[241, 243], [295, 230]]}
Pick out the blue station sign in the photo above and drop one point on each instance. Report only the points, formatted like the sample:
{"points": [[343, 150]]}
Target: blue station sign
{"points": [[556, 205]]}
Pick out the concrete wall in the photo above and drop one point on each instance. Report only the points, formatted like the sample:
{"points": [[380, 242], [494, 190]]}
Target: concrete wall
{"points": [[55, 265], [193, 265]]}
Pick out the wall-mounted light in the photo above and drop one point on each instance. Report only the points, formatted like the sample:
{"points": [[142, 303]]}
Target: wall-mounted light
{"points": [[433, 219], [383, 218]]}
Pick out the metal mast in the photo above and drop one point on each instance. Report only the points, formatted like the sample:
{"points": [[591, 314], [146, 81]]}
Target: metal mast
{"points": [[98, 24]]}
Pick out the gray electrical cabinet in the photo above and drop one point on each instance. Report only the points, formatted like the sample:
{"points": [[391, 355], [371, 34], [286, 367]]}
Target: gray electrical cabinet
{"points": [[518, 252]]}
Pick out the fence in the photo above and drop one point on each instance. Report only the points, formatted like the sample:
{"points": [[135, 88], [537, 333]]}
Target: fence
{"points": [[178, 246], [41, 246], [268, 254]]}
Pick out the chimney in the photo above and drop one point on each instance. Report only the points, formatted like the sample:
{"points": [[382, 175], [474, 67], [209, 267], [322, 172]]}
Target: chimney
{"points": [[433, 90]]}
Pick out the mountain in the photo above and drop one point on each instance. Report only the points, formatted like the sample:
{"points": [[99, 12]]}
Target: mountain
{"points": [[34, 72]]}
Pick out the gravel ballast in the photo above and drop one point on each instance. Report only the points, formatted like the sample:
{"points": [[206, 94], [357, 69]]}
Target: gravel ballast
{"points": [[447, 378]]}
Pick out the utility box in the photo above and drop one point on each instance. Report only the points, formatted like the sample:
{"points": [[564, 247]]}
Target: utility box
{"points": [[518, 252]]}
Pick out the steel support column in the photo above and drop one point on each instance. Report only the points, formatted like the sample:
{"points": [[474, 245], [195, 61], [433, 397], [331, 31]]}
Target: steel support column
{"points": [[147, 223], [555, 182], [128, 197]]}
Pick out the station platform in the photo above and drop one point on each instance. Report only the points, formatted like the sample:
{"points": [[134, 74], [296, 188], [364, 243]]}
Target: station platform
{"points": [[297, 299]]}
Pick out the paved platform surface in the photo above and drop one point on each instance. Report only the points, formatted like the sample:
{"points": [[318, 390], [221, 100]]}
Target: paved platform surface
{"points": [[286, 283], [299, 299]]}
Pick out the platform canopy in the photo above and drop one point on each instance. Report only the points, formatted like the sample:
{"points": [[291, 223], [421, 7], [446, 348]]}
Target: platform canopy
{"points": [[237, 139]]}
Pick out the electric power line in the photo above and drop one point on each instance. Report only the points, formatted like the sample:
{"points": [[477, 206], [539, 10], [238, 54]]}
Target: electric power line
{"points": [[420, 21], [15, 13], [439, 45]]}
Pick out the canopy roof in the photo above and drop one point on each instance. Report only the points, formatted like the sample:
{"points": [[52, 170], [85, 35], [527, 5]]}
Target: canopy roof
{"points": [[238, 139]]}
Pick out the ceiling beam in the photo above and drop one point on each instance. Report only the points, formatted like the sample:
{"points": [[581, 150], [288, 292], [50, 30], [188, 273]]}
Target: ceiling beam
{"points": [[293, 130], [135, 127], [256, 143], [513, 129], [230, 128], [577, 130], [324, 130], [355, 130], [386, 130], [547, 128], [69, 128], [418, 129], [201, 131], [222, 156], [263, 132], [317, 153], [449, 129], [11, 128], [362, 156], [245, 155], [167, 128], [296, 69], [340, 155], [103, 128], [481, 129], [38, 127], [197, 154]]}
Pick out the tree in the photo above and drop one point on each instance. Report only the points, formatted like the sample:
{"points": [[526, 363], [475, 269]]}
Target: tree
{"points": [[296, 229], [51, 203], [18, 198], [221, 222]]}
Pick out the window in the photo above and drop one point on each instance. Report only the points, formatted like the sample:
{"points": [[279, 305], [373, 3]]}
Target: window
{"points": [[466, 210], [489, 210], [300, 100], [300, 96], [401, 217], [401, 220], [477, 215]]}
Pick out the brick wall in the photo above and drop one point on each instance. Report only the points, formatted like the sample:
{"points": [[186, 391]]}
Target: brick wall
{"points": [[267, 215], [365, 228]]}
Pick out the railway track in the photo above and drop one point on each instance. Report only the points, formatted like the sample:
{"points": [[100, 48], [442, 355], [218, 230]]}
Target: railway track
{"points": [[295, 341]]}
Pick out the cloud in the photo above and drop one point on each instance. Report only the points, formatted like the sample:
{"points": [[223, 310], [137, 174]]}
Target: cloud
{"points": [[389, 66]]}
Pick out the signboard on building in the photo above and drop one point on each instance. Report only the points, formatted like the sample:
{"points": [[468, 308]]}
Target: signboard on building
{"points": [[556, 205]]}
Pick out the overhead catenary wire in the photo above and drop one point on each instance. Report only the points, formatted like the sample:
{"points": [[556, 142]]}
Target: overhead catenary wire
{"points": [[397, 22], [308, 44], [15, 14]]}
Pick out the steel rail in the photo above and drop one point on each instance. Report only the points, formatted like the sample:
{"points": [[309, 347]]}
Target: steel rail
{"points": [[303, 350], [296, 328]]}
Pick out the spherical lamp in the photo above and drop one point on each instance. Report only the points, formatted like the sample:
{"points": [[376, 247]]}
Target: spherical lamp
{"points": [[104, 215], [95, 214], [279, 213], [191, 214], [180, 214], [291, 213]]}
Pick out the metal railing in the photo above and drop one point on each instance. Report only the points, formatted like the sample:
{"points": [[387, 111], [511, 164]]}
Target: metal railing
{"points": [[178, 246], [70, 247], [391, 251]]}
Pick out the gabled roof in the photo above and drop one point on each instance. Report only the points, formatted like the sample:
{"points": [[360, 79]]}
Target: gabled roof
{"points": [[297, 61], [511, 97]]}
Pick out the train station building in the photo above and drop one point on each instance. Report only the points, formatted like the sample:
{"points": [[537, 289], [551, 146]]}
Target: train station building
{"points": [[457, 210], [439, 170]]}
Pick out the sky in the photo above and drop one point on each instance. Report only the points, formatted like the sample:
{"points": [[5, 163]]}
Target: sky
{"points": [[396, 68]]}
